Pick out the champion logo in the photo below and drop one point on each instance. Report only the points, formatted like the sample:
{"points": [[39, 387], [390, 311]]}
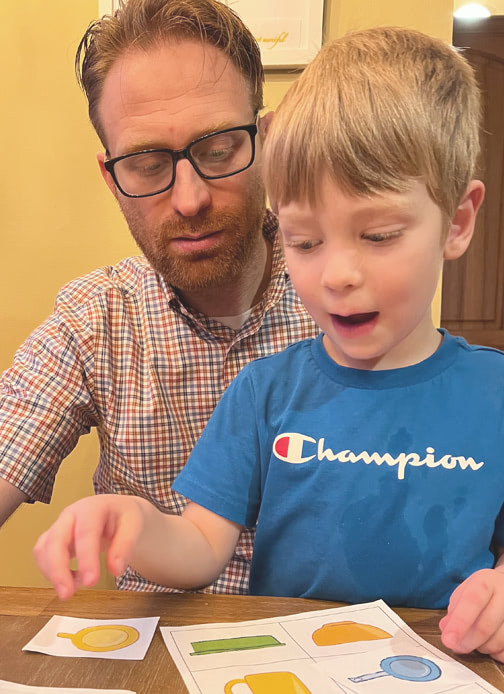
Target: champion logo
{"points": [[296, 448], [289, 447]]}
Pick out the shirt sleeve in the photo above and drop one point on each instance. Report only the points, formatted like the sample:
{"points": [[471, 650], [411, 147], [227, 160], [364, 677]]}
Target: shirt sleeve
{"points": [[499, 528], [45, 406], [223, 473]]}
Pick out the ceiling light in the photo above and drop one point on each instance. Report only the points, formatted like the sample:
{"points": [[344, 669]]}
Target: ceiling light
{"points": [[472, 10]]}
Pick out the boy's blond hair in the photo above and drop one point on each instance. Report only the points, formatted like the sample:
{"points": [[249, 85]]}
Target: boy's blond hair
{"points": [[375, 109], [142, 24]]}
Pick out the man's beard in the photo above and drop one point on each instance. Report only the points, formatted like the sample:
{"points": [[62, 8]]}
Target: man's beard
{"points": [[203, 269]]}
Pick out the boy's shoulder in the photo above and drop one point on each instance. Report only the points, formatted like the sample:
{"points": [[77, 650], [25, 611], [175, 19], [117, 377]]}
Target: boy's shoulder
{"points": [[480, 360], [470, 360], [478, 352], [290, 357]]}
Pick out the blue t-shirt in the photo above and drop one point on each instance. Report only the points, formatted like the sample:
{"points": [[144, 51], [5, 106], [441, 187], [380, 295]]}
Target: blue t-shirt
{"points": [[362, 484]]}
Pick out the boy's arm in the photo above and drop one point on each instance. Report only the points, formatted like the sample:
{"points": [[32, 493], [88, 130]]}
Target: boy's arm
{"points": [[475, 619], [187, 551]]}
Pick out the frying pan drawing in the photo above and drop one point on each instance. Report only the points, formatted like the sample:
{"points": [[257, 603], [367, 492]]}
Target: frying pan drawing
{"points": [[404, 667], [103, 637]]}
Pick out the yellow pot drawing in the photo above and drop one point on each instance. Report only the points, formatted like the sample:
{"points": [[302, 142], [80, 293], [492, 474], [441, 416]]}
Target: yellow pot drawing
{"points": [[103, 637], [347, 632], [270, 683]]}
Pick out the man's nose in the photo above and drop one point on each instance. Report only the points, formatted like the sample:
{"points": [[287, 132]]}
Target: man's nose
{"points": [[190, 194], [343, 270]]}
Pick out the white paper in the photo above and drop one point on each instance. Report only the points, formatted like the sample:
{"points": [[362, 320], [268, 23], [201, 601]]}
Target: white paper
{"points": [[359, 649], [116, 639], [13, 688]]}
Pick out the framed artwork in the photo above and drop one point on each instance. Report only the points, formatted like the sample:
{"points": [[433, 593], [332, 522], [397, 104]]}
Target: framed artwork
{"points": [[289, 32]]}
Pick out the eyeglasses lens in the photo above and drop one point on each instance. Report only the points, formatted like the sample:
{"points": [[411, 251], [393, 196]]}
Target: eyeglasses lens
{"points": [[222, 154], [145, 173]]}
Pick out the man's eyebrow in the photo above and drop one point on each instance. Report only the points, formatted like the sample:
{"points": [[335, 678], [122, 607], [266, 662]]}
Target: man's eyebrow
{"points": [[141, 145]]}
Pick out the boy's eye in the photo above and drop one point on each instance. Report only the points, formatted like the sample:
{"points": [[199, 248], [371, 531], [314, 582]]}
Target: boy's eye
{"points": [[381, 236], [305, 245]]}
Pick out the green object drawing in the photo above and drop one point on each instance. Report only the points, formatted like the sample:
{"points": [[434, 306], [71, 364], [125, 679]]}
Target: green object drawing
{"points": [[238, 643]]}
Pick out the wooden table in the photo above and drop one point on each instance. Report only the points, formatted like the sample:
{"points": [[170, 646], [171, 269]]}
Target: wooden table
{"points": [[24, 611]]}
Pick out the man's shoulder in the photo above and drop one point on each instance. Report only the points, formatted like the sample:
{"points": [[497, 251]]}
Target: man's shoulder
{"points": [[123, 279], [270, 225]]}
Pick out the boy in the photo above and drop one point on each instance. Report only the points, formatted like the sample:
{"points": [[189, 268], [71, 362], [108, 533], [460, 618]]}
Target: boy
{"points": [[368, 458]]}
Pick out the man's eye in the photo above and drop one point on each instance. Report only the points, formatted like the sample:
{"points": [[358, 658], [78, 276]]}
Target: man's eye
{"points": [[215, 154], [146, 167], [150, 169], [218, 149]]}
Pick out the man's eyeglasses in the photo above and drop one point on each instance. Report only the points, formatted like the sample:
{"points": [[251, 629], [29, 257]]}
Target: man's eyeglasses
{"points": [[152, 171]]}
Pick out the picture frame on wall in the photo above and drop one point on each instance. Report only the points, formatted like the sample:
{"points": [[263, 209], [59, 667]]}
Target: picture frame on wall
{"points": [[289, 32], [107, 7]]}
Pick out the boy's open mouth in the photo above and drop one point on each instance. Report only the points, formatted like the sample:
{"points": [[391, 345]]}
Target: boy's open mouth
{"points": [[355, 318]]}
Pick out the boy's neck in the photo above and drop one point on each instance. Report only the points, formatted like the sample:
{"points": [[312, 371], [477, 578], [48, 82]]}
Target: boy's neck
{"points": [[415, 348]]}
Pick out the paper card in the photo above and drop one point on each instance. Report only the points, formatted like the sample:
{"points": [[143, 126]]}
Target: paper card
{"points": [[116, 639], [13, 688], [356, 649]]}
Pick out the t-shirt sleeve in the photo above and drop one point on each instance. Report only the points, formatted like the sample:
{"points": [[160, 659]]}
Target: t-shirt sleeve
{"points": [[223, 473], [499, 528]]}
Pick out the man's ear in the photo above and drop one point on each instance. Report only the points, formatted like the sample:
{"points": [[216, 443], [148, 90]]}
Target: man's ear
{"points": [[264, 124], [100, 157], [463, 223]]}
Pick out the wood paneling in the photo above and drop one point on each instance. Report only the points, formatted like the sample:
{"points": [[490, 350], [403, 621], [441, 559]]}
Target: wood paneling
{"points": [[473, 286]]}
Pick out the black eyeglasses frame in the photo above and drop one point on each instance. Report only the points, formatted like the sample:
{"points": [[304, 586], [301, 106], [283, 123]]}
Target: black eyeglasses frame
{"points": [[178, 154]]}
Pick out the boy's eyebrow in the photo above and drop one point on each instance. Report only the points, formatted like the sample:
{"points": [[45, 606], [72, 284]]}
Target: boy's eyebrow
{"points": [[375, 207], [386, 208]]}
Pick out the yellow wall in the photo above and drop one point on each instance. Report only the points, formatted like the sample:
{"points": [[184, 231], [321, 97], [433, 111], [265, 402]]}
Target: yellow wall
{"points": [[58, 220]]}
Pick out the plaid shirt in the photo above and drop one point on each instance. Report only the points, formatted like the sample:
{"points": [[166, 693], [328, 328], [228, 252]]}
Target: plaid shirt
{"points": [[121, 353]]}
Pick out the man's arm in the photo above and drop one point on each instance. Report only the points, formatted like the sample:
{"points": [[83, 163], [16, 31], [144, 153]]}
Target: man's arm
{"points": [[188, 551], [10, 498]]}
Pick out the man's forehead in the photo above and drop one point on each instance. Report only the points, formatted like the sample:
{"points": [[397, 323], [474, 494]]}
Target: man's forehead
{"points": [[170, 82], [175, 71]]}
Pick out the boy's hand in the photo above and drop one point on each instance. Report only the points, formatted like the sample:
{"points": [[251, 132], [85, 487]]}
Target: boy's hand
{"points": [[475, 619], [105, 522]]}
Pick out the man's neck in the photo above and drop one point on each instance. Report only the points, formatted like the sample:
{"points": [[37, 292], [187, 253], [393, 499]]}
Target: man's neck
{"points": [[241, 293]]}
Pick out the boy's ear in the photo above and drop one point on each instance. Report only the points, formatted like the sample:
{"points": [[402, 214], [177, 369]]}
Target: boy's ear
{"points": [[100, 157], [462, 226], [264, 124]]}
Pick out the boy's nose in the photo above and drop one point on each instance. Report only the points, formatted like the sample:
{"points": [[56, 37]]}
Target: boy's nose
{"points": [[190, 193], [343, 271]]}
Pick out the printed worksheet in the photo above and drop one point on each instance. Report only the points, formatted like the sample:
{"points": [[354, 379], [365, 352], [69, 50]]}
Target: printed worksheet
{"points": [[358, 649], [74, 637]]}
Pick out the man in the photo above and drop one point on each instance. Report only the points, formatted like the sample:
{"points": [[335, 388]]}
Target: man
{"points": [[143, 350]]}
